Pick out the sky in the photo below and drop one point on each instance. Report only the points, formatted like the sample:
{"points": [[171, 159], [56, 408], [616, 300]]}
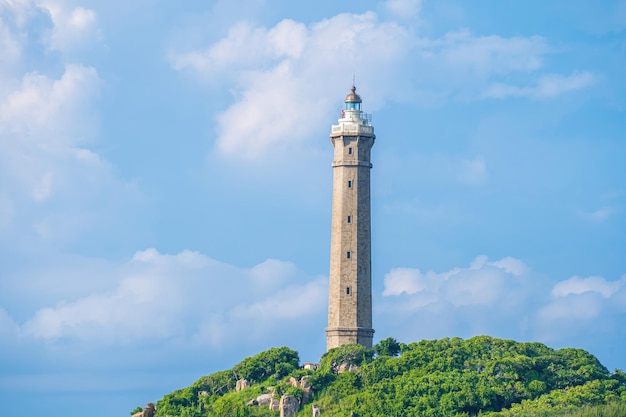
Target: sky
{"points": [[165, 183]]}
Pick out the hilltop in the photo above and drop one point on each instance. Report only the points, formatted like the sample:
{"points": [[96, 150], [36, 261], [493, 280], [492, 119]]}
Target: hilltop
{"points": [[481, 376]]}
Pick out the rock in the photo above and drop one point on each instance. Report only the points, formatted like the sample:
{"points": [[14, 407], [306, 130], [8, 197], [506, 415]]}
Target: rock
{"points": [[293, 382], [264, 399], [274, 404], [305, 386], [147, 412], [252, 402], [241, 385], [203, 393], [316, 410], [347, 367], [289, 406]]}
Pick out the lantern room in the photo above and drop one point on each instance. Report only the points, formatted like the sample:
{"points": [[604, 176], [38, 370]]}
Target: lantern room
{"points": [[353, 101]]}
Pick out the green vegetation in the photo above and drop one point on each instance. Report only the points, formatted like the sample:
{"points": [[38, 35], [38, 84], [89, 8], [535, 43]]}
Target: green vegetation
{"points": [[610, 410], [481, 376]]}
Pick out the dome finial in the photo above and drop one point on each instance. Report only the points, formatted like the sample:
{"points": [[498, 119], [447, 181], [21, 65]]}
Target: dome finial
{"points": [[353, 97]]}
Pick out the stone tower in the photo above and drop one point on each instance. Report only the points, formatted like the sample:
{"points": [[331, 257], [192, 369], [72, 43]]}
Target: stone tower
{"points": [[350, 292]]}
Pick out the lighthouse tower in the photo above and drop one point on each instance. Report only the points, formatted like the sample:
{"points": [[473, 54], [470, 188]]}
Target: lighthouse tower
{"points": [[350, 292]]}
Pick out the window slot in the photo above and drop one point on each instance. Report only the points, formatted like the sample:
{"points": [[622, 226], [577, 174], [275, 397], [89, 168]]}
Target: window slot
{"points": [[349, 219], [349, 183], [348, 255]]}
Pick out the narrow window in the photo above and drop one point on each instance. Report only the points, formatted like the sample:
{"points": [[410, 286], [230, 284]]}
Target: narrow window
{"points": [[349, 219], [349, 183], [348, 255], [349, 151], [348, 290]]}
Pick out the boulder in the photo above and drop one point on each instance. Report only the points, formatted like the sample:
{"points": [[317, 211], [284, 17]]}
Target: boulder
{"points": [[316, 410], [293, 382], [241, 385], [252, 402], [147, 412], [305, 386], [264, 399], [289, 406], [274, 404]]}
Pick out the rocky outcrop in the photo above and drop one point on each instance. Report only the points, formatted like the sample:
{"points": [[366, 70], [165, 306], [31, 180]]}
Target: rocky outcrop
{"points": [[304, 385], [147, 412], [264, 399], [241, 385], [289, 406], [316, 410], [307, 391], [274, 404]]}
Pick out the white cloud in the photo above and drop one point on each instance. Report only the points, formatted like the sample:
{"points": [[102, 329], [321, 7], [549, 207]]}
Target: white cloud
{"points": [[47, 106], [42, 126], [548, 86], [73, 27], [481, 283], [582, 306], [9, 45], [45, 120], [511, 265], [291, 69], [188, 297], [26, 24], [504, 298], [286, 311], [484, 55], [246, 47], [280, 100], [131, 312], [46, 125], [577, 285], [404, 8], [54, 186]]}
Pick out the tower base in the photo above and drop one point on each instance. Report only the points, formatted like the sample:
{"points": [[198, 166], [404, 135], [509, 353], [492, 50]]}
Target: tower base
{"points": [[338, 336]]}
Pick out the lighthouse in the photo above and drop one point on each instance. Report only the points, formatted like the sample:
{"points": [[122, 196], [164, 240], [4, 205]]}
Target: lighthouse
{"points": [[350, 288]]}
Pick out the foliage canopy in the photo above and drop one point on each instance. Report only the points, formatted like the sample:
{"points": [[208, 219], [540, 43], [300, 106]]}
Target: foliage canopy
{"points": [[481, 376]]}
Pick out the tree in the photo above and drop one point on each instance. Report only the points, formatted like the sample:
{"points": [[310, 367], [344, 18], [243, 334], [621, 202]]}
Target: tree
{"points": [[387, 347], [136, 410]]}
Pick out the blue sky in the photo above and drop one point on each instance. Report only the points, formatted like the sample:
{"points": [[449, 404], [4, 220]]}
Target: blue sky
{"points": [[165, 183]]}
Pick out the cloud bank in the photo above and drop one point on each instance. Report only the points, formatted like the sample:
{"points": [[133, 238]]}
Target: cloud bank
{"points": [[283, 76], [504, 297], [186, 297], [53, 185]]}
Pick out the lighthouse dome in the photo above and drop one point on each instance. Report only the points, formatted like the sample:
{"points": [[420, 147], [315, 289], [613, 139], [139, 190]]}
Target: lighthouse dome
{"points": [[353, 97]]}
